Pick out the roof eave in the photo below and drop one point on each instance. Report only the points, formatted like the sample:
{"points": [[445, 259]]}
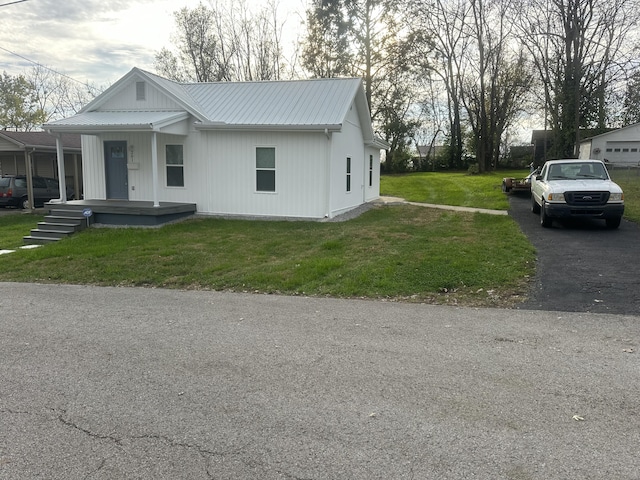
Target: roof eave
{"points": [[266, 127]]}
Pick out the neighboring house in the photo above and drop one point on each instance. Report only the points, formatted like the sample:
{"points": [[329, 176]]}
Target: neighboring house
{"points": [[302, 149], [542, 141], [17, 149], [621, 146]]}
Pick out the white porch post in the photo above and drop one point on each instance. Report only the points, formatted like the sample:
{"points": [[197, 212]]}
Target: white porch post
{"points": [[61, 174], [154, 168]]}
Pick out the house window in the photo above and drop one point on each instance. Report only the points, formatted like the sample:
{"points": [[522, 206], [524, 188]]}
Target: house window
{"points": [[625, 150], [634, 149], [348, 174], [370, 170], [616, 149], [141, 91], [265, 169], [175, 166], [609, 149]]}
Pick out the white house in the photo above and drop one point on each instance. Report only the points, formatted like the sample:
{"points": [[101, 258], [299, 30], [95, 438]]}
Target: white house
{"points": [[620, 146], [303, 149]]}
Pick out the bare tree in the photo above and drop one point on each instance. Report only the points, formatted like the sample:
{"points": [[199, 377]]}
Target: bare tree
{"points": [[578, 49], [444, 24], [224, 42], [496, 82]]}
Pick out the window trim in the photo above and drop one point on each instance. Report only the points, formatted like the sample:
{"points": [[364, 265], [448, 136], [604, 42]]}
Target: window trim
{"points": [[141, 91], [273, 169], [371, 170], [348, 174], [168, 165]]}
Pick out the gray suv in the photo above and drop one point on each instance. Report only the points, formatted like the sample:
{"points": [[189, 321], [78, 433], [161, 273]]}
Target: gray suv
{"points": [[13, 191]]}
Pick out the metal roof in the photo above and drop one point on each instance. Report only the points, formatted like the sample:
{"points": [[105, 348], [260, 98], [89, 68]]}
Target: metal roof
{"points": [[118, 120], [297, 104], [285, 103]]}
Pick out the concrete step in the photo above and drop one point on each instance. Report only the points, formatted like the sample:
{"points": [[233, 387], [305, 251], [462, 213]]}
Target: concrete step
{"points": [[60, 227], [30, 240], [38, 233], [66, 212], [55, 219]]}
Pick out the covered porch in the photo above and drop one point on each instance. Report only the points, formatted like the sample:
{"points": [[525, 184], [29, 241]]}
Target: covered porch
{"points": [[114, 206], [123, 212]]}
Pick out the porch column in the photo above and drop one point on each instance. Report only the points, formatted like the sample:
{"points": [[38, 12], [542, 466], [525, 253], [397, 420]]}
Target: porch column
{"points": [[76, 177], [61, 175], [29, 173], [154, 168]]}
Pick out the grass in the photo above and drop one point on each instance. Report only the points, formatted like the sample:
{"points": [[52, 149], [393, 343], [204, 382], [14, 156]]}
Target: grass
{"points": [[15, 226], [629, 180], [390, 252], [459, 189]]}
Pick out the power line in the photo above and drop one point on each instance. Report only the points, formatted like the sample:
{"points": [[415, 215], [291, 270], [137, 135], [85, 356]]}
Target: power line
{"points": [[96, 90], [11, 3]]}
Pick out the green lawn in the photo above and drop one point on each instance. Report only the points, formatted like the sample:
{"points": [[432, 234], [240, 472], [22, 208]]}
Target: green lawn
{"points": [[459, 189], [629, 180], [14, 226], [390, 252]]}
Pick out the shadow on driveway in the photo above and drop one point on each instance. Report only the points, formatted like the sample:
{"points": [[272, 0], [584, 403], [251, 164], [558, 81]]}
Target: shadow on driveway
{"points": [[582, 266]]}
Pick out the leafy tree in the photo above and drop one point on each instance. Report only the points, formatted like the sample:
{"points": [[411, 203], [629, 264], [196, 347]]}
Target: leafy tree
{"points": [[19, 109], [325, 50], [364, 38]]}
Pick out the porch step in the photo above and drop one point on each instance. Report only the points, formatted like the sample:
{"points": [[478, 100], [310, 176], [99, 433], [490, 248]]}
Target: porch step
{"points": [[60, 223], [59, 226], [30, 240]]}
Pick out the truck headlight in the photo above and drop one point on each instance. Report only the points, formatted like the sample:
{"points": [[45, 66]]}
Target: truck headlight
{"points": [[616, 197], [555, 197]]}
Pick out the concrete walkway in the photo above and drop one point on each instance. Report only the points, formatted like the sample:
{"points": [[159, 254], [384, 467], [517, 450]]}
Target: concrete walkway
{"points": [[398, 200]]}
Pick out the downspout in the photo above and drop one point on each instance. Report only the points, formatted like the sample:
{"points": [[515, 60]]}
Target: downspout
{"points": [[328, 175], [62, 182], [154, 168]]}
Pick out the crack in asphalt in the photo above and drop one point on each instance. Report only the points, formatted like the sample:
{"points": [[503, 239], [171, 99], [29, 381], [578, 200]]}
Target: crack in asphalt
{"points": [[206, 454]]}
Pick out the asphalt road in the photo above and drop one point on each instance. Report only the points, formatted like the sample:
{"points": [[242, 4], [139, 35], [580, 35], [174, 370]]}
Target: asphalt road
{"points": [[124, 383], [582, 266]]}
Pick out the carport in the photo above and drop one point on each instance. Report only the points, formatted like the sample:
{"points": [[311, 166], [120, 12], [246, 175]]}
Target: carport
{"points": [[37, 152]]}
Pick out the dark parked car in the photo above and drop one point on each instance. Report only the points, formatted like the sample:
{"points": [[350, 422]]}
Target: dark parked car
{"points": [[13, 191]]}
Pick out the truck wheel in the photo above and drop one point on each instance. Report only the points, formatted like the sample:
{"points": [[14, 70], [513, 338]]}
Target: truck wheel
{"points": [[613, 223], [545, 220], [535, 208]]}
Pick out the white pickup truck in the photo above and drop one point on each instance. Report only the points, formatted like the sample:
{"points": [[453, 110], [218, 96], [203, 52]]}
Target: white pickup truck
{"points": [[576, 189]]}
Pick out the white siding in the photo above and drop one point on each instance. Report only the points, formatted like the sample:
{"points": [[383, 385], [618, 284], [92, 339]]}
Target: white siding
{"points": [[347, 143], [220, 172], [618, 146], [229, 174], [125, 100], [371, 192]]}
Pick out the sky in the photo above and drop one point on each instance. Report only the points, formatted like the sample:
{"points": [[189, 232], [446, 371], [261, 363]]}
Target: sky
{"points": [[97, 41]]}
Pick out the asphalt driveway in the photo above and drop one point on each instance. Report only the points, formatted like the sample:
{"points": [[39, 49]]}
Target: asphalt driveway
{"points": [[582, 266]]}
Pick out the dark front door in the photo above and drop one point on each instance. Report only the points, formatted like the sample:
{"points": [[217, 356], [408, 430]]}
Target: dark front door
{"points": [[115, 164]]}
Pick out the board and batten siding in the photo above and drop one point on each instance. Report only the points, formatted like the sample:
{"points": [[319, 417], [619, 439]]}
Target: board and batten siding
{"points": [[140, 169], [228, 163], [348, 143], [220, 171], [126, 100]]}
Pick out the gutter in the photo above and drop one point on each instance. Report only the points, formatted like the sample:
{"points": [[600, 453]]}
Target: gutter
{"points": [[269, 127]]}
